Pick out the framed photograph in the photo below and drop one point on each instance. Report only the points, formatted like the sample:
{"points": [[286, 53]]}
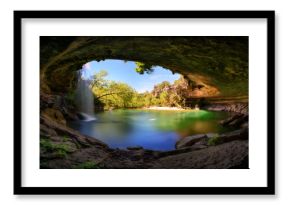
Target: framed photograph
{"points": [[144, 102]]}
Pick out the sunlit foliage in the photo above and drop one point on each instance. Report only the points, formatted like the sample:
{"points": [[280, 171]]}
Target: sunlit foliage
{"points": [[113, 95], [142, 67]]}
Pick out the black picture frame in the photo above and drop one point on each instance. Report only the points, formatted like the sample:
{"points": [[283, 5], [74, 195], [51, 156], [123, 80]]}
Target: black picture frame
{"points": [[269, 189]]}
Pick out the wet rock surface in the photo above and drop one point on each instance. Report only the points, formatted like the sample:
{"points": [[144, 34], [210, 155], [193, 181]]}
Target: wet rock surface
{"points": [[203, 140], [236, 120], [190, 140], [241, 134], [241, 108], [222, 156], [50, 104]]}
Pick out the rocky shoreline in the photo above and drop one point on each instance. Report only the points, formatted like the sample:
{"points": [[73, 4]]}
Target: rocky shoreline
{"points": [[242, 108], [163, 108], [64, 148]]}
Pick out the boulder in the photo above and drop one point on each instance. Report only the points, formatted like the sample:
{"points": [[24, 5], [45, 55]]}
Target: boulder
{"points": [[241, 134], [239, 121], [230, 119], [190, 140], [235, 121]]}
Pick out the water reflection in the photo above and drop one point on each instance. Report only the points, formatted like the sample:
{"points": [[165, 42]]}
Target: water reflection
{"points": [[157, 130]]}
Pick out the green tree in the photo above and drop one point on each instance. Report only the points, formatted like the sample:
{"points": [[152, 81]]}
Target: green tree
{"points": [[138, 100], [142, 67], [164, 98], [99, 79], [147, 97], [113, 94]]}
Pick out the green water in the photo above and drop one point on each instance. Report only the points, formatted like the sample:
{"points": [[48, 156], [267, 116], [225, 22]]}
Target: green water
{"points": [[156, 130]]}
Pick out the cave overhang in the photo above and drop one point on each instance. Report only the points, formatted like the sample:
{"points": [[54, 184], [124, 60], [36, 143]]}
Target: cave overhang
{"points": [[213, 62]]}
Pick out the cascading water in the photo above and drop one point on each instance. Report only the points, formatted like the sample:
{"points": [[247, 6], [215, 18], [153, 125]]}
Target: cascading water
{"points": [[84, 98]]}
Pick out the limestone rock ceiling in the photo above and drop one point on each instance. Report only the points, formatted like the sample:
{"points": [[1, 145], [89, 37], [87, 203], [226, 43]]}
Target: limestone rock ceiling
{"points": [[219, 65]]}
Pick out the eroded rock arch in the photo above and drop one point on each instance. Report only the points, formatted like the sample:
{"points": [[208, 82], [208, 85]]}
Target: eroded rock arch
{"points": [[220, 62]]}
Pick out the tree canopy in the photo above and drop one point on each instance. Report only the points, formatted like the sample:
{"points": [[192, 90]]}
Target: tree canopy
{"points": [[112, 94]]}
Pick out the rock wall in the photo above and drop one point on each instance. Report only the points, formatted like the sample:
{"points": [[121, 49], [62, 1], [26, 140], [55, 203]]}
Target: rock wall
{"points": [[57, 108], [242, 108]]}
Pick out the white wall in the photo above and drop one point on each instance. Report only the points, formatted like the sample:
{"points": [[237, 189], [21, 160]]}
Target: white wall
{"points": [[282, 89]]}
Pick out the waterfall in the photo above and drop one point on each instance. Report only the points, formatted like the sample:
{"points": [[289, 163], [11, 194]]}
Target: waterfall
{"points": [[84, 98]]}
